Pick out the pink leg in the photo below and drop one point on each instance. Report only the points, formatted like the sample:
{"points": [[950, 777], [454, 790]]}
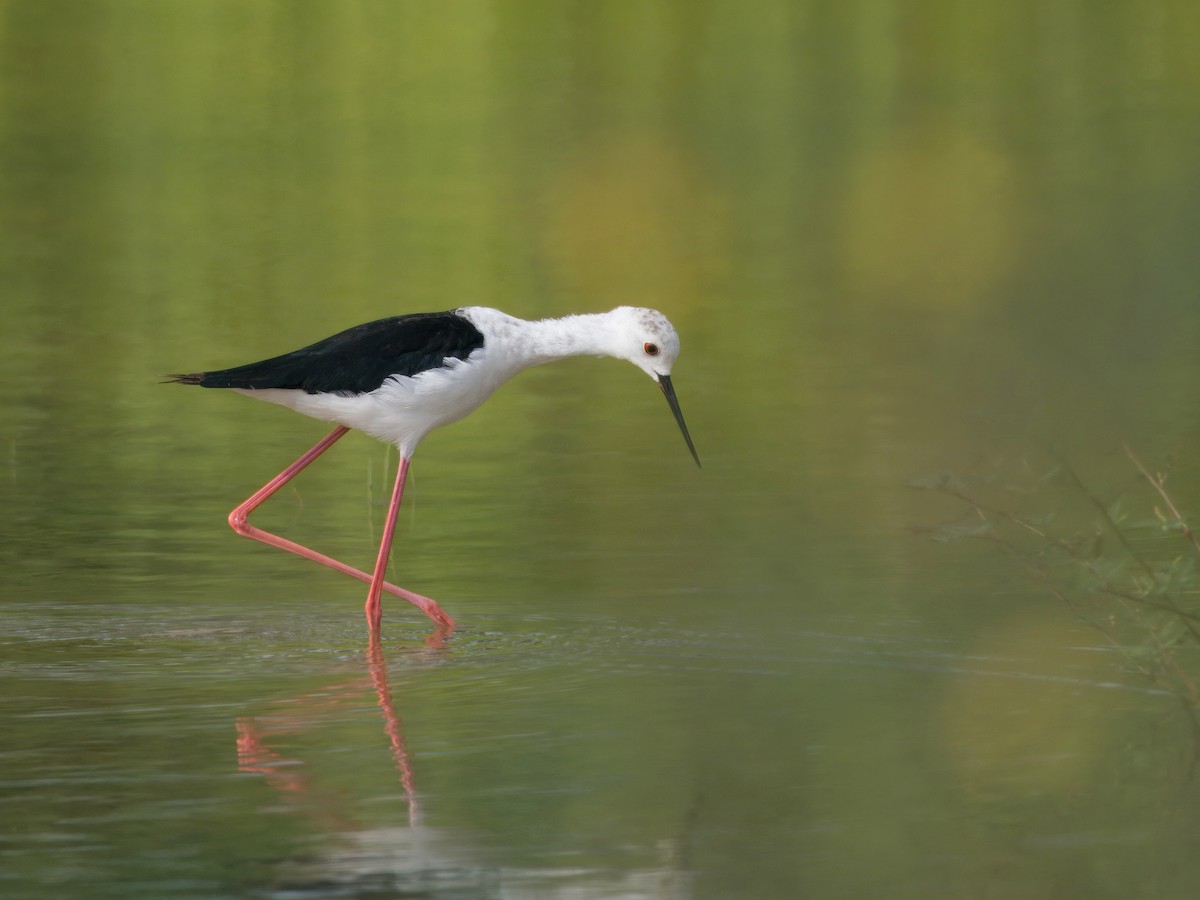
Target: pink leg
{"points": [[237, 520], [373, 609]]}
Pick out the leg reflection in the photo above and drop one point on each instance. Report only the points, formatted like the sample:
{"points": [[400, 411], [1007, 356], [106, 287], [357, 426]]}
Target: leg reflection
{"points": [[377, 666], [257, 737]]}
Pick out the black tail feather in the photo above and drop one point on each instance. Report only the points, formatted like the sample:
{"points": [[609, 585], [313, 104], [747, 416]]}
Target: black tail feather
{"points": [[191, 378]]}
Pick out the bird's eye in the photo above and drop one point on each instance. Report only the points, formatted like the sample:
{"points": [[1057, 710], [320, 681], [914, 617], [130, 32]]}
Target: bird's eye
{"points": [[651, 349]]}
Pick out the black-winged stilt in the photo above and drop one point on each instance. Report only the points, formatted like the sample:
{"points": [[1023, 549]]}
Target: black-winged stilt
{"points": [[401, 377]]}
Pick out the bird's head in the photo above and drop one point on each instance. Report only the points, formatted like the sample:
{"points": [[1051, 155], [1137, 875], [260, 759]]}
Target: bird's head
{"points": [[647, 339]]}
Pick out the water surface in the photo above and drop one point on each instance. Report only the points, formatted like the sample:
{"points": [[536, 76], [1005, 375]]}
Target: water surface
{"points": [[895, 242]]}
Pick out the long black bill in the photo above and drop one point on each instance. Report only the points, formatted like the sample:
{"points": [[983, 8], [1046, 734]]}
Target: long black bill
{"points": [[664, 382]]}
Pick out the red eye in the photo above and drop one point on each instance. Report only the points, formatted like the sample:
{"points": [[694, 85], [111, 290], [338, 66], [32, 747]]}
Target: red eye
{"points": [[651, 349]]}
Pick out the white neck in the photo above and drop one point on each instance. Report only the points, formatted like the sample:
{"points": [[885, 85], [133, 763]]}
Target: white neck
{"points": [[582, 335], [525, 344]]}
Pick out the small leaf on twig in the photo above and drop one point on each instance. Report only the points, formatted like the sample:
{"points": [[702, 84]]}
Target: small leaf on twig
{"points": [[956, 531], [1116, 510]]}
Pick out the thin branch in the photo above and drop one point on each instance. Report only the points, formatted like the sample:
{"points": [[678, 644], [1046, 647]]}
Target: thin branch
{"points": [[1159, 484], [1108, 519]]}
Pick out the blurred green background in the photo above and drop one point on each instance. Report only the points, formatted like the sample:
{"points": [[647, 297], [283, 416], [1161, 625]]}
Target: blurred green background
{"points": [[894, 237]]}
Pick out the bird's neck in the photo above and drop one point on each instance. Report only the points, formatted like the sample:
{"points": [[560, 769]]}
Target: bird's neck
{"points": [[517, 344], [547, 340]]}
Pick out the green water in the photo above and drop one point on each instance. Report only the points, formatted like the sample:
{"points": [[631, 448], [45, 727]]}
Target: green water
{"points": [[895, 239]]}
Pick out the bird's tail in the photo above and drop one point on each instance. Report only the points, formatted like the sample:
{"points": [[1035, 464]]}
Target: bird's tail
{"points": [[191, 378]]}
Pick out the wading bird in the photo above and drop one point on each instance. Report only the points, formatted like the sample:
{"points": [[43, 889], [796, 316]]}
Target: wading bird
{"points": [[399, 378]]}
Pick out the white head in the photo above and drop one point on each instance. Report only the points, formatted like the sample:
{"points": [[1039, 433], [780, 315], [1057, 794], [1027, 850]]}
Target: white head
{"points": [[647, 339]]}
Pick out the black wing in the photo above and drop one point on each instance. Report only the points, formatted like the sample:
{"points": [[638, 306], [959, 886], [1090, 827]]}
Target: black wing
{"points": [[358, 359]]}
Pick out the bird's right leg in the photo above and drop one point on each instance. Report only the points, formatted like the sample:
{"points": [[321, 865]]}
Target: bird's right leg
{"points": [[237, 520]]}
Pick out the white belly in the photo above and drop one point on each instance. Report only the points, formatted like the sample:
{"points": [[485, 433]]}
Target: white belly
{"points": [[402, 410]]}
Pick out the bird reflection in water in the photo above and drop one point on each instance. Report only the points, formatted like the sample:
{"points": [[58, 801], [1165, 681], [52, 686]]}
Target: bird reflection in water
{"points": [[290, 776]]}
